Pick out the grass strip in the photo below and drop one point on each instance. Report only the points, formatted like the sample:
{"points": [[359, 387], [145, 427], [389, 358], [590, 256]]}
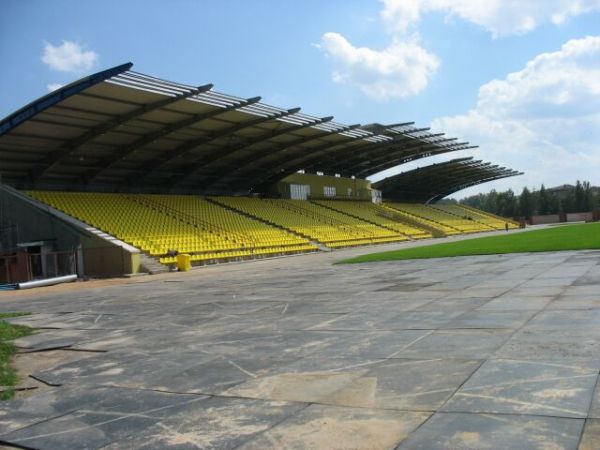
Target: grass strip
{"points": [[557, 238], [8, 332]]}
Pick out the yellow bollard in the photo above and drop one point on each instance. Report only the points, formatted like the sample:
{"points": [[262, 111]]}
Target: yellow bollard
{"points": [[184, 262]]}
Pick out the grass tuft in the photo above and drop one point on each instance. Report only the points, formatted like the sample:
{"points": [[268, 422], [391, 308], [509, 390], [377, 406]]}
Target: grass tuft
{"points": [[8, 332], [558, 238]]}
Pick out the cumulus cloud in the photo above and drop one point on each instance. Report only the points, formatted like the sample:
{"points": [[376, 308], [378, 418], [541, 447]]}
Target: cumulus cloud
{"points": [[399, 70], [69, 57], [53, 86], [499, 17], [543, 119], [404, 67]]}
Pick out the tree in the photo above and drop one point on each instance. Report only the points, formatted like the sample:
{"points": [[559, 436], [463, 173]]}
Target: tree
{"points": [[526, 203], [589, 200], [582, 197], [579, 203], [544, 202]]}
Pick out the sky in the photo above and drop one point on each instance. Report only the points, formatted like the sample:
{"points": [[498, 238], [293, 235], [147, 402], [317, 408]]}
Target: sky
{"points": [[519, 78]]}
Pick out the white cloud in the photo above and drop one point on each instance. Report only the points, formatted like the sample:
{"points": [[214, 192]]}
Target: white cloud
{"points": [[69, 57], [404, 67], [543, 120], [499, 17], [53, 86], [399, 70]]}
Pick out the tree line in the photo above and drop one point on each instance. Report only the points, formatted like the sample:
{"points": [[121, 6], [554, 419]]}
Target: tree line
{"points": [[580, 198]]}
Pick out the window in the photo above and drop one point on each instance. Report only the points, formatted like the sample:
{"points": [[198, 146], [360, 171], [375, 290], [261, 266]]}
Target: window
{"points": [[329, 191]]}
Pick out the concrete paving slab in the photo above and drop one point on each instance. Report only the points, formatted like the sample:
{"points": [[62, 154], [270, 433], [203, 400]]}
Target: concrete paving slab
{"points": [[299, 353], [468, 344], [575, 302], [218, 423], [510, 302], [591, 435], [370, 344], [453, 304], [453, 431], [90, 417], [490, 319], [369, 320], [525, 387], [566, 320], [332, 428], [414, 385], [566, 346], [594, 411]]}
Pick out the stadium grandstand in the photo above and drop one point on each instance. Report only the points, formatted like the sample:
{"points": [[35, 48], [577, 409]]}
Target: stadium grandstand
{"points": [[119, 172]]}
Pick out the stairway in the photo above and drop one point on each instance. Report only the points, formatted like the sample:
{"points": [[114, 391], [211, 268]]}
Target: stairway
{"points": [[152, 265]]}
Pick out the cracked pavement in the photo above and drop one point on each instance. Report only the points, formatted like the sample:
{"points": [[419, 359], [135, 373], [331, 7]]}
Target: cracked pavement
{"points": [[482, 352]]}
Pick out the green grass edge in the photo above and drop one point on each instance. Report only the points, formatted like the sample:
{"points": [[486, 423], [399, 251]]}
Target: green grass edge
{"points": [[555, 238], [9, 377]]}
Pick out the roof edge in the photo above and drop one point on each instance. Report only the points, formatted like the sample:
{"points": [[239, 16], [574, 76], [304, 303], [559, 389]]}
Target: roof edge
{"points": [[52, 98]]}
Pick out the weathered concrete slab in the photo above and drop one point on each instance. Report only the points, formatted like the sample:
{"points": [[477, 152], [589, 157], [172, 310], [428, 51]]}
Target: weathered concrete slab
{"points": [[591, 435], [566, 320], [576, 302], [330, 427], [217, 423], [485, 352], [526, 387], [490, 319], [91, 418], [564, 346], [595, 407], [452, 431], [473, 344], [509, 302], [416, 385]]}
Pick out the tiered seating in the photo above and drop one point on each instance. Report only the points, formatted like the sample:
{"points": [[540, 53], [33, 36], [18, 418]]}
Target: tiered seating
{"points": [[491, 220], [370, 212], [256, 236], [332, 228], [406, 210], [444, 220], [157, 224]]}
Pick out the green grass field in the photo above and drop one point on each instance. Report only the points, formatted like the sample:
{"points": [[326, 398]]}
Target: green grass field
{"points": [[8, 332], [568, 237]]}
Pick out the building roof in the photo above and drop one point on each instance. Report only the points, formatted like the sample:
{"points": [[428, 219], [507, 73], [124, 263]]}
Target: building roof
{"points": [[432, 183], [123, 130]]}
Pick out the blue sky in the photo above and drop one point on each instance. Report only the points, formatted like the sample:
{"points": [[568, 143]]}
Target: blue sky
{"points": [[521, 79]]}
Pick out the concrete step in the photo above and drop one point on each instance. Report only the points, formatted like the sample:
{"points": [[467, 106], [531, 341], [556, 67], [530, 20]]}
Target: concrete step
{"points": [[152, 264]]}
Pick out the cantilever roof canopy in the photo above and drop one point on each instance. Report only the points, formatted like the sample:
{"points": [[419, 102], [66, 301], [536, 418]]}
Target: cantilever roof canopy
{"points": [[432, 183], [123, 130]]}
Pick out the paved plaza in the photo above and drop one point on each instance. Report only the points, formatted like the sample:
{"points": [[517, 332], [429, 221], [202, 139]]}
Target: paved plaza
{"points": [[484, 352]]}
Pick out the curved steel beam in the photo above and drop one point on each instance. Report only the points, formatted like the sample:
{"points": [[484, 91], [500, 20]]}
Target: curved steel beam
{"points": [[73, 145], [123, 152], [54, 97], [249, 142], [193, 167], [404, 159], [281, 170], [454, 189], [365, 150], [378, 156], [307, 155], [375, 150], [248, 166], [226, 172], [432, 182], [156, 163]]}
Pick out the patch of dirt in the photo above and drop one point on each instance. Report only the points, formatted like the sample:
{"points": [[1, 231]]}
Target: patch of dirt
{"points": [[32, 362]]}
